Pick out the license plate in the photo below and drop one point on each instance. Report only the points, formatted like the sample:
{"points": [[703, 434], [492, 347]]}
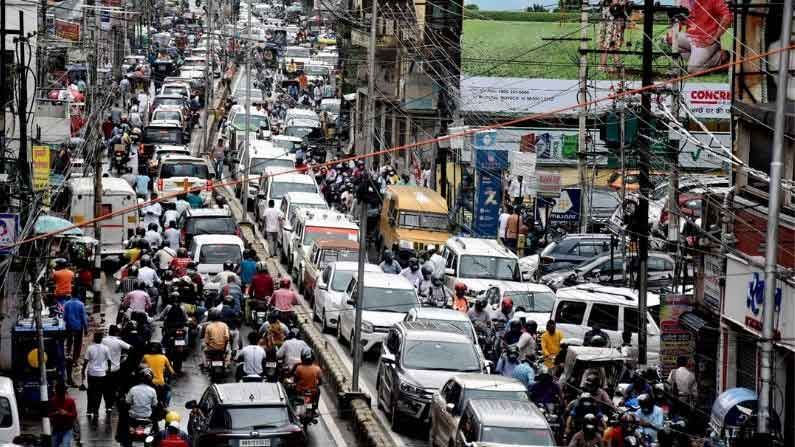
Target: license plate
{"points": [[179, 342], [270, 364], [255, 442], [217, 363]]}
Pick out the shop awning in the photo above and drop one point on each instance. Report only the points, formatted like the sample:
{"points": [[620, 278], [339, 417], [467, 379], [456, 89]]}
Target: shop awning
{"points": [[694, 323]]}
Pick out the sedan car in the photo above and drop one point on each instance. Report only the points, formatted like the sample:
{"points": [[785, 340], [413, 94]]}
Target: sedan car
{"points": [[602, 270], [329, 291]]}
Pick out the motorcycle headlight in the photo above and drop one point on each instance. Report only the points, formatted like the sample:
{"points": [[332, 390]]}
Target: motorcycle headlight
{"points": [[367, 326]]}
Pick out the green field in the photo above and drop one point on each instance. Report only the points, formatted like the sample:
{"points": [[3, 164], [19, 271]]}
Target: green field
{"points": [[510, 49]]}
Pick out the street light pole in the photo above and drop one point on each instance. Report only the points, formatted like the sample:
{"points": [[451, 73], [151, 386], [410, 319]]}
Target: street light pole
{"points": [[247, 172]]}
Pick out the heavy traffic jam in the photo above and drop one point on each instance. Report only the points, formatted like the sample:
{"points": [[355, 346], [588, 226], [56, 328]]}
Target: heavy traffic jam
{"points": [[230, 230]]}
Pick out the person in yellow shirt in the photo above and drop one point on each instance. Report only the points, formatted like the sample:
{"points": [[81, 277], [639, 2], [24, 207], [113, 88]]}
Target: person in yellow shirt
{"points": [[159, 364], [550, 344]]}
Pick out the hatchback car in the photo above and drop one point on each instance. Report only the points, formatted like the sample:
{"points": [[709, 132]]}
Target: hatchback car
{"points": [[502, 422], [198, 221], [330, 291], [250, 414]]}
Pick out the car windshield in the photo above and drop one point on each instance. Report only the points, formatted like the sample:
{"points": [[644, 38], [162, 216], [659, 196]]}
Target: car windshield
{"points": [[490, 267], [516, 436], [184, 170], [464, 326], [290, 146], [217, 225], [169, 102], [296, 52], [279, 189], [329, 256], [299, 131], [175, 90], [258, 165], [548, 249], [331, 107], [294, 206], [389, 300], [341, 280], [219, 253], [433, 222], [249, 418], [531, 301], [162, 135], [311, 234], [170, 115], [256, 121], [590, 263], [441, 356]]}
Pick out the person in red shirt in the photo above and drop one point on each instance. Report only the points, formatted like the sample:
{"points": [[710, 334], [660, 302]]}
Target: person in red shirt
{"points": [[260, 290], [284, 299], [706, 23], [179, 265], [62, 413]]}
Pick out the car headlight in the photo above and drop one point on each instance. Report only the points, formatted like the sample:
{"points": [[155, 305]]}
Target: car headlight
{"points": [[367, 326], [411, 389]]}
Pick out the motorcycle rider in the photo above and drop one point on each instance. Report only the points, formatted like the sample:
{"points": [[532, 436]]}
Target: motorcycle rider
{"points": [[460, 302], [228, 272], [505, 314], [233, 289], [650, 417], [638, 387], [230, 314], [273, 332], [578, 408], [129, 282], [545, 390], [424, 285], [260, 290], [514, 332], [137, 300], [438, 294], [524, 371], [308, 376], [284, 299], [251, 358], [588, 436], [479, 312], [161, 367], [389, 264], [216, 334], [147, 273], [172, 435], [141, 401], [291, 350], [595, 337], [412, 272], [508, 361], [174, 317]]}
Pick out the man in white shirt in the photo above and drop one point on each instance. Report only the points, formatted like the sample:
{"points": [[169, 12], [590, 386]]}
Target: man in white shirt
{"points": [[683, 381], [519, 189], [252, 356], [148, 275], [152, 212], [96, 365], [437, 260], [164, 256], [291, 350], [273, 224], [172, 235], [153, 236], [115, 346], [506, 213]]}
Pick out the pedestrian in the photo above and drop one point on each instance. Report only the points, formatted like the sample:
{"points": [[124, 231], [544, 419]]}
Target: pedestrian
{"points": [[63, 278], [195, 199], [152, 212], [181, 204], [518, 190], [115, 347], [95, 371], [273, 223], [171, 235], [142, 185], [527, 341], [62, 414], [217, 156], [153, 236], [550, 343], [76, 321], [248, 267], [512, 230], [503, 220], [683, 381]]}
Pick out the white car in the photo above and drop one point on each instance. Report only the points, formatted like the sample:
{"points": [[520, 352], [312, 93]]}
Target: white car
{"points": [[291, 203], [329, 293], [530, 301], [387, 298], [458, 319], [210, 251], [276, 182]]}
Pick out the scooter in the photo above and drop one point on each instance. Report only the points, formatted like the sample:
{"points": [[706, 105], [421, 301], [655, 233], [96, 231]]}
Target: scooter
{"points": [[177, 349], [217, 366], [258, 312], [141, 433], [305, 404]]}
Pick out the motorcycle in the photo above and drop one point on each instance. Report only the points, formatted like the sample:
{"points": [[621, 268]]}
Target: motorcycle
{"points": [[305, 404], [258, 312], [486, 338], [120, 158], [272, 367], [141, 433], [551, 412], [177, 348], [217, 366]]}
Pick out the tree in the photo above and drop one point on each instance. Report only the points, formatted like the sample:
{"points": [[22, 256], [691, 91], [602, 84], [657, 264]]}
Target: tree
{"points": [[471, 7]]}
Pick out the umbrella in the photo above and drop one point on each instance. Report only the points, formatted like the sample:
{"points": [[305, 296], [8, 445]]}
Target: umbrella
{"points": [[48, 224]]}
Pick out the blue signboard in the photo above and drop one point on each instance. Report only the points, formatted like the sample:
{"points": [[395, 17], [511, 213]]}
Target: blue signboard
{"points": [[487, 206], [567, 207], [487, 157]]}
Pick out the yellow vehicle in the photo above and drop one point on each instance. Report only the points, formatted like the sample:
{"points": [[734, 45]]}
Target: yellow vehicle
{"points": [[412, 218]]}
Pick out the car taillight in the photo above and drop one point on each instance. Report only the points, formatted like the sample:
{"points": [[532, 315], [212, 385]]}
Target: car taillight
{"points": [[160, 184]]}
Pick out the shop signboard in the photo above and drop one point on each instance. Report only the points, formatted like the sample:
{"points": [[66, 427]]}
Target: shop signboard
{"points": [[713, 272], [67, 30], [548, 183], [675, 341], [489, 198], [567, 207]]}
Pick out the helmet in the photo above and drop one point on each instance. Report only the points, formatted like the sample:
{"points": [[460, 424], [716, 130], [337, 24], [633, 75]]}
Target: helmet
{"points": [[506, 303], [284, 282], [132, 271], [262, 267], [598, 341], [460, 289], [172, 417], [480, 304], [60, 262], [589, 422], [645, 402], [228, 266], [146, 375], [155, 346], [213, 314], [426, 270], [436, 280], [513, 352], [307, 356], [146, 261], [182, 252]]}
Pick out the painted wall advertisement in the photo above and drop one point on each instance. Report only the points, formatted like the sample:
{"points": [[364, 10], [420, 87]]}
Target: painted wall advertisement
{"points": [[41, 167], [675, 341]]}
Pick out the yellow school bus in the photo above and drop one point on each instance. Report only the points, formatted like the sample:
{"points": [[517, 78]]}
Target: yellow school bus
{"points": [[412, 218]]}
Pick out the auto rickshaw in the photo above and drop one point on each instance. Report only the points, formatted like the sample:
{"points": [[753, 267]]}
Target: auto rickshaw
{"points": [[24, 354], [607, 363], [733, 419], [161, 69]]}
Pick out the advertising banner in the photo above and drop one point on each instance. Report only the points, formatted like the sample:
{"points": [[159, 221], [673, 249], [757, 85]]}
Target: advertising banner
{"points": [[548, 183], [567, 207], [675, 341], [487, 206], [41, 171], [9, 231], [67, 30]]}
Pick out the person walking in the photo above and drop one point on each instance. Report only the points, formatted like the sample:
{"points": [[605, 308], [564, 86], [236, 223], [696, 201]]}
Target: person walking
{"points": [[217, 155], [273, 223], [76, 321], [95, 371], [63, 414], [63, 277], [115, 346], [683, 381], [512, 230], [550, 344]]}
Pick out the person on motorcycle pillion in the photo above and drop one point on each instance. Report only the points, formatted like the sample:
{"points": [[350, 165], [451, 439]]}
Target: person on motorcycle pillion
{"points": [[460, 302], [291, 350], [273, 332], [216, 334], [284, 299], [251, 359], [511, 336], [172, 435], [589, 435], [308, 375], [161, 369], [479, 312], [438, 295]]}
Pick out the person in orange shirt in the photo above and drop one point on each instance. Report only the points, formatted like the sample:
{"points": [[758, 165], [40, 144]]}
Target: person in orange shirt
{"points": [[460, 302], [63, 278], [308, 376]]}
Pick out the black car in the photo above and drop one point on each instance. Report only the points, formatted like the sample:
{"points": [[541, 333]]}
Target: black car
{"points": [[257, 413], [601, 270], [194, 222], [572, 250]]}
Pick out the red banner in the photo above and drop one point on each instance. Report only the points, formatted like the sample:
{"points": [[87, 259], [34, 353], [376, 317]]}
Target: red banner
{"points": [[67, 30]]}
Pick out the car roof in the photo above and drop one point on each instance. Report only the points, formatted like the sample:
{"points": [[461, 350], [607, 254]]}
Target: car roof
{"points": [[250, 393], [309, 198], [162, 123], [605, 295], [220, 239], [286, 175], [507, 413], [168, 96], [477, 246], [344, 244], [512, 286], [349, 266], [429, 330], [168, 108], [587, 236], [208, 212], [179, 158], [315, 217], [489, 382], [383, 280], [435, 313]]}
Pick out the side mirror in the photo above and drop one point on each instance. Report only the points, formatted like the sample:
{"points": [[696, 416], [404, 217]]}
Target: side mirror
{"points": [[449, 272], [449, 408], [350, 302], [526, 276], [190, 405]]}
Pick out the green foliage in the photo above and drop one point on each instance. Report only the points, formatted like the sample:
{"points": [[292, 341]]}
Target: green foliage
{"points": [[522, 16], [472, 7]]}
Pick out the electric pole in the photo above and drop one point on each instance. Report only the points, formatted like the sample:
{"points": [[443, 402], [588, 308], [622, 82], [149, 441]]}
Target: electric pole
{"points": [[582, 99], [208, 77], [370, 115], [44, 397], [673, 152], [247, 171], [642, 216], [764, 421], [96, 111]]}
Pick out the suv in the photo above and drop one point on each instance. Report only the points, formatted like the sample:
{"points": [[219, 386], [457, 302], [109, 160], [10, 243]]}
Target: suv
{"points": [[206, 221], [179, 173], [312, 225], [230, 413], [449, 402], [571, 250], [502, 422], [292, 203], [478, 263], [600, 269], [417, 358]]}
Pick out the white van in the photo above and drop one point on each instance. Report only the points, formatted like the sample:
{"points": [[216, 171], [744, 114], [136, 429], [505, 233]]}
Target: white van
{"points": [[291, 204], [117, 194], [258, 156], [9, 412], [478, 263], [310, 225], [210, 251], [577, 308], [276, 182]]}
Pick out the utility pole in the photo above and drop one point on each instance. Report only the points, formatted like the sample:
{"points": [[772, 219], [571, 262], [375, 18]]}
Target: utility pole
{"points": [[208, 76], [96, 111], [23, 163], [40, 59], [642, 216], [44, 397], [764, 421], [370, 115], [247, 55], [582, 99], [673, 152]]}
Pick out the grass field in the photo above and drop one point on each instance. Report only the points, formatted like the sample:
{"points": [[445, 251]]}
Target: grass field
{"points": [[509, 49]]}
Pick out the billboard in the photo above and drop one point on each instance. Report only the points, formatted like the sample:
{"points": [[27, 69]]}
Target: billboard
{"points": [[67, 30]]}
